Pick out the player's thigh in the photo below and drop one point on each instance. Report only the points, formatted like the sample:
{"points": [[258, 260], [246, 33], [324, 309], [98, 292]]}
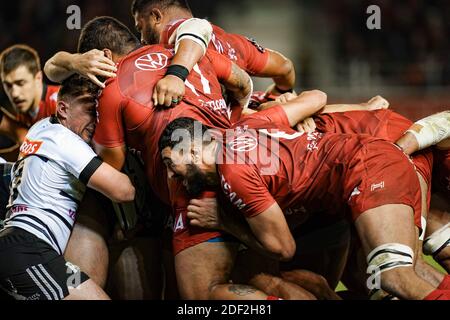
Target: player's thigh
{"points": [[87, 246], [202, 266], [392, 223]]}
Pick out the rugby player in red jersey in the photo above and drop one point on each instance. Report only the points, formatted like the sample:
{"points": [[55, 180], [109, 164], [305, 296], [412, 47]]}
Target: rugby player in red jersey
{"points": [[168, 22], [313, 171], [32, 100], [391, 126]]}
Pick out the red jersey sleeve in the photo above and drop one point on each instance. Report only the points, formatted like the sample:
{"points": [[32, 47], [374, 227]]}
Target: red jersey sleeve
{"points": [[269, 118], [221, 65], [109, 131], [169, 30], [244, 187], [255, 55]]}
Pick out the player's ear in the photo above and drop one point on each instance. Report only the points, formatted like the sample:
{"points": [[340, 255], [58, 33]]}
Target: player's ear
{"points": [[156, 15], [38, 76], [108, 53], [61, 110]]}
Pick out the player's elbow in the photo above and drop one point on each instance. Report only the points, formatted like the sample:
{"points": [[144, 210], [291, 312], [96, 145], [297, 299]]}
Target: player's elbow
{"points": [[287, 68], [319, 97], [48, 70], [283, 249], [125, 191]]}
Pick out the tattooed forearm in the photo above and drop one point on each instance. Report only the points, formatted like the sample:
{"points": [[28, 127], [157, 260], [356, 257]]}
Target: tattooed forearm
{"points": [[240, 84], [241, 290]]}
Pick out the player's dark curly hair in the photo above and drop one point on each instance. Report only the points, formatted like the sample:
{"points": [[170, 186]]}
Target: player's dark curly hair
{"points": [[76, 86], [107, 33], [140, 6], [189, 125], [19, 55]]}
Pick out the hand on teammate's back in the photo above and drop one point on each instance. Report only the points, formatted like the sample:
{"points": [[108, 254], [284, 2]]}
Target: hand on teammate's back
{"points": [[94, 64], [308, 126], [168, 92], [286, 97]]}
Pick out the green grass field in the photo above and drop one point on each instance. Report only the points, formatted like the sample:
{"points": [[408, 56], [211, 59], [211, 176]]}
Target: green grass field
{"points": [[429, 259]]}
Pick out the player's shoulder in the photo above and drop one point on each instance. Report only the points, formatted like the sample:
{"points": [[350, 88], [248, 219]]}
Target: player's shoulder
{"points": [[145, 55]]}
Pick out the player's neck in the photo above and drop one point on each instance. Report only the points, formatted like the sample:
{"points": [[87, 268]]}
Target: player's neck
{"points": [[178, 13]]}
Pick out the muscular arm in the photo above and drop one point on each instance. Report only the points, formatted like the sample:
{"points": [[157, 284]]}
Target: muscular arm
{"points": [[281, 70], [240, 85], [267, 233], [115, 157], [303, 106], [191, 40], [91, 64], [112, 183], [376, 103]]}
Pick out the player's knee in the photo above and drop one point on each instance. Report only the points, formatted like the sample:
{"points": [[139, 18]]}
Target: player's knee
{"points": [[391, 265], [438, 241]]}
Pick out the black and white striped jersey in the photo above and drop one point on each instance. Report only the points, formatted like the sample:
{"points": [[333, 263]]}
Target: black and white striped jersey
{"points": [[48, 182]]}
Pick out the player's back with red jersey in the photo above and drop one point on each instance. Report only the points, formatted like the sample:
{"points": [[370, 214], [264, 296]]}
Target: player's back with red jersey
{"points": [[297, 170], [245, 52], [128, 117], [385, 124]]}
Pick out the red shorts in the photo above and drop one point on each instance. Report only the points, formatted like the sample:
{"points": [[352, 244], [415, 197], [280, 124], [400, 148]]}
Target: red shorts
{"points": [[384, 124], [383, 175], [441, 172], [185, 235]]}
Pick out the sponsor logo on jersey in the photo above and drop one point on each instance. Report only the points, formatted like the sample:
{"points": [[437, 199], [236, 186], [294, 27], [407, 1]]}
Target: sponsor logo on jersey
{"points": [[376, 186], [152, 62], [232, 196], [29, 147], [243, 144], [179, 223], [219, 105], [313, 139]]}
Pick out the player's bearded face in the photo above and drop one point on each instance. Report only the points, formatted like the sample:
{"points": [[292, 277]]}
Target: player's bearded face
{"points": [[148, 30], [195, 180], [22, 88]]}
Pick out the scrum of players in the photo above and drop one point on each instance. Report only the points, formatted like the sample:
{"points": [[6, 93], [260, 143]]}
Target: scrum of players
{"points": [[154, 171]]}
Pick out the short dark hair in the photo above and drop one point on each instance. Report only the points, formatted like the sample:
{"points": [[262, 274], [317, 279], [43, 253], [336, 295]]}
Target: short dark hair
{"points": [[188, 124], [139, 6], [19, 55], [107, 33], [76, 86]]}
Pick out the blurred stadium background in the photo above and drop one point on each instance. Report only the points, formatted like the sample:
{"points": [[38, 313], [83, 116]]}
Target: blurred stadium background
{"points": [[407, 61]]}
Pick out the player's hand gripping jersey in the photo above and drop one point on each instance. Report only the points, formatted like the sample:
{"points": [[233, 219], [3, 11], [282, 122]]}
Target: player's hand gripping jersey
{"points": [[49, 181]]}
